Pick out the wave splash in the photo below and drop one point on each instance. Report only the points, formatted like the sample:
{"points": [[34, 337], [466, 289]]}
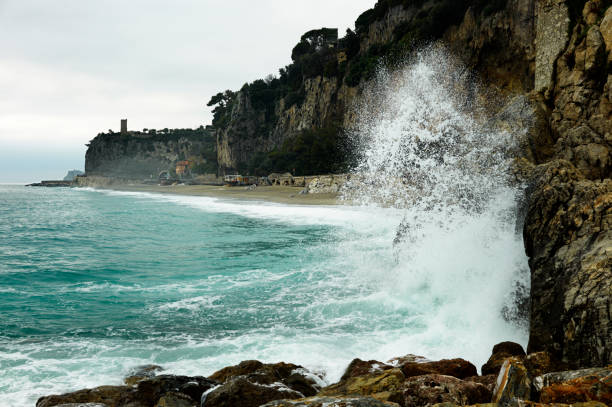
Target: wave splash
{"points": [[428, 148]]}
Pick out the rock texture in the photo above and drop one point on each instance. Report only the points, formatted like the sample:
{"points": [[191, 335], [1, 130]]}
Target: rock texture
{"points": [[331, 402], [567, 229], [253, 383], [500, 353], [148, 393]]}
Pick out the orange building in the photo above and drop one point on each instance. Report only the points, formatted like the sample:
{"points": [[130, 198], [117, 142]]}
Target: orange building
{"points": [[182, 167]]}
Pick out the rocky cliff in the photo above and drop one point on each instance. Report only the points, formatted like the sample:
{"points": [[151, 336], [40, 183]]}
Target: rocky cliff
{"points": [[143, 155]]}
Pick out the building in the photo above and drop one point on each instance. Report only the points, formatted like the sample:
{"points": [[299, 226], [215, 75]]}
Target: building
{"points": [[124, 129], [182, 168]]}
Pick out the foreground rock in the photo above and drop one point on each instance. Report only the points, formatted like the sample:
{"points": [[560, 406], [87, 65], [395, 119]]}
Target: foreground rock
{"points": [[415, 382], [501, 352], [576, 386], [147, 393], [253, 383], [431, 389], [332, 402]]}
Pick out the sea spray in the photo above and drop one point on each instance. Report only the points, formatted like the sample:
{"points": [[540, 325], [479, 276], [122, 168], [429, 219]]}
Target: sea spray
{"points": [[427, 146]]}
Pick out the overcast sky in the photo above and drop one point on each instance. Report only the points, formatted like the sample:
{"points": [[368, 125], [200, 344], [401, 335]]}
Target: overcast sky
{"points": [[70, 69]]}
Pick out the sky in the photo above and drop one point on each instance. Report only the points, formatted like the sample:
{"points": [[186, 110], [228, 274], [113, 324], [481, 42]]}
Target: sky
{"points": [[70, 69]]}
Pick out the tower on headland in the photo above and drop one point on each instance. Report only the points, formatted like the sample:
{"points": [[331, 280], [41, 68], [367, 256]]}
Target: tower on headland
{"points": [[124, 126]]}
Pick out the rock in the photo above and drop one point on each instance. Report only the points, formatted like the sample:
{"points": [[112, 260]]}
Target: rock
{"points": [[358, 367], [153, 389], [427, 390], [568, 238], [145, 394], [605, 27], [552, 28], [332, 402], [410, 358], [575, 386], [513, 384], [82, 405], [458, 368], [487, 380], [595, 56], [293, 376], [540, 363], [140, 373], [386, 386], [500, 353], [112, 396], [173, 399], [239, 391]]}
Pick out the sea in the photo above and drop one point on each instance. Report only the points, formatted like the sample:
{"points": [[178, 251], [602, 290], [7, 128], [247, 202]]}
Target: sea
{"points": [[423, 256]]}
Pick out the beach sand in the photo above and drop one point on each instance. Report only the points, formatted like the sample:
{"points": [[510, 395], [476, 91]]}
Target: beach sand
{"points": [[285, 195]]}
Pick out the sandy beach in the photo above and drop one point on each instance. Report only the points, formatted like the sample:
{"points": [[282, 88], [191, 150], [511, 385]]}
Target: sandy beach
{"points": [[285, 195]]}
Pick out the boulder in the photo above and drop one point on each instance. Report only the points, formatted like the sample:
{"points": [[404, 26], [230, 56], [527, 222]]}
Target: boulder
{"points": [[358, 367], [458, 368], [82, 405], [140, 373], [576, 386], [293, 376], [500, 353], [111, 396], [240, 391], [386, 386], [487, 380], [173, 399], [147, 393], [513, 384], [540, 363], [332, 402], [427, 390]]}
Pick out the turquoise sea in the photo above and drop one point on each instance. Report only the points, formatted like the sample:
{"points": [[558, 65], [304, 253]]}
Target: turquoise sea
{"points": [[94, 283]]}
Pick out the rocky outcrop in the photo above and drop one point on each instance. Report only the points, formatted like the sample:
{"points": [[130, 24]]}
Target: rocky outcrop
{"points": [[416, 382], [252, 383], [140, 156], [332, 402], [567, 229], [500, 353], [147, 393]]}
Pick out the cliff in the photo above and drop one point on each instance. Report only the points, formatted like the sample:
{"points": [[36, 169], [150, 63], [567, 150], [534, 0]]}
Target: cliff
{"points": [[143, 155]]}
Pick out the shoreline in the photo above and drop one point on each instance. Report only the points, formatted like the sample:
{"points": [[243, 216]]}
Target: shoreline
{"points": [[275, 194]]}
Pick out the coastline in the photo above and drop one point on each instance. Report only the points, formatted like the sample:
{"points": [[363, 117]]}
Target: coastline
{"points": [[276, 194]]}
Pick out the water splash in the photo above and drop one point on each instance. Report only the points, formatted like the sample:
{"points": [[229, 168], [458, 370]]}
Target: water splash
{"points": [[427, 145]]}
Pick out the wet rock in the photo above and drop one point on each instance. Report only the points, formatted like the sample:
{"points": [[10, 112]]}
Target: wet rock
{"points": [[140, 373], [82, 405], [500, 353], [153, 389], [458, 368], [358, 367], [488, 381], [428, 390], [293, 376], [112, 396], [568, 238], [145, 394], [240, 391], [513, 383], [386, 386], [410, 358], [540, 363], [332, 402], [576, 386], [173, 399]]}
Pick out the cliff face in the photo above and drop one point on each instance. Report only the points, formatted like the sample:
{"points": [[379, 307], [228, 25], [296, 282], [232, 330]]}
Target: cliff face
{"points": [[500, 45], [139, 156], [568, 234]]}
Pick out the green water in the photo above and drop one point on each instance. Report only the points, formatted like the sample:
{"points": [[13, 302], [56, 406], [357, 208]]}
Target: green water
{"points": [[94, 283]]}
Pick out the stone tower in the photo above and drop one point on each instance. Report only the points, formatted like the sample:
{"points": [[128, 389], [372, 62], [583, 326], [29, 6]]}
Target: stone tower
{"points": [[124, 126]]}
